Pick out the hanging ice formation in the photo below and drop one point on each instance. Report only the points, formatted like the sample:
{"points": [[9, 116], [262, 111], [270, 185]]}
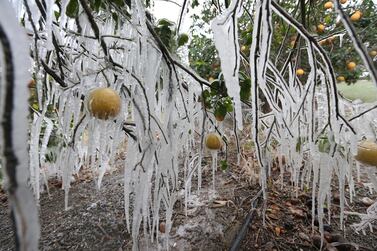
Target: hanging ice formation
{"points": [[14, 65], [225, 32], [160, 112], [309, 114]]}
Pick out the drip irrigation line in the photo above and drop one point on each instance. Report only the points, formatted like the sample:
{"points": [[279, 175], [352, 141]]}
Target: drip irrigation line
{"points": [[250, 216]]}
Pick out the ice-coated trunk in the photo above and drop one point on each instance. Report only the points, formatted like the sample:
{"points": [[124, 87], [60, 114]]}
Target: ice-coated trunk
{"points": [[13, 132]]}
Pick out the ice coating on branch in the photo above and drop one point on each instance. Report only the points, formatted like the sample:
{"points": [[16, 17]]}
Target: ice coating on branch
{"points": [[225, 32], [158, 118], [15, 64]]}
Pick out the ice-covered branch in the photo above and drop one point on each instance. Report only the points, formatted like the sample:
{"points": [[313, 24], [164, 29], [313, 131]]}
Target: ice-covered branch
{"points": [[14, 95]]}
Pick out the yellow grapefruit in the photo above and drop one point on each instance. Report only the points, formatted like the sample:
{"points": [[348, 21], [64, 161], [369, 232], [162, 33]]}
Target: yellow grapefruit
{"points": [[351, 66], [367, 153], [341, 78], [373, 53], [104, 103], [329, 5], [300, 72], [321, 28], [213, 141], [356, 16]]}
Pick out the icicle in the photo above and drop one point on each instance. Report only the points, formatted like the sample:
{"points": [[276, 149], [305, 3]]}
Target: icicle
{"points": [[214, 167], [13, 131], [225, 33]]}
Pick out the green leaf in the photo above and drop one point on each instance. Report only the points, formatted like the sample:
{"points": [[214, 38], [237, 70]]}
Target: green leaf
{"points": [[96, 4], [245, 91], [120, 3], [194, 3], [182, 39], [72, 10], [324, 145], [207, 99], [57, 14], [223, 165], [298, 144], [165, 22], [220, 111], [215, 87], [228, 104]]}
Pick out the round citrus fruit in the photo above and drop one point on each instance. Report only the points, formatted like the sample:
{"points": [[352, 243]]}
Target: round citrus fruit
{"points": [[300, 72], [329, 5], [351, 66], [321, 28], [343, 1], [104, 103], [356, 16], [341, 78], [373, 53], [213, 141], [367, 153]]}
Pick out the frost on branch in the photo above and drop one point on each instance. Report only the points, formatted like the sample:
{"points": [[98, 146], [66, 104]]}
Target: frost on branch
{"points": [[225, 31], [14, 65], [158, 118], [160, 112]]}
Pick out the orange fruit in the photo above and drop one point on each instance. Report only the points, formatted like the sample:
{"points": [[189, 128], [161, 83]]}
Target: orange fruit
{"points": [[321, 28], [367, 153], [329, 5], [373, 53], [341, 78], [356, 16], [213, 141], [300, 72], [343, 1], [104, 103], [351, 66]]}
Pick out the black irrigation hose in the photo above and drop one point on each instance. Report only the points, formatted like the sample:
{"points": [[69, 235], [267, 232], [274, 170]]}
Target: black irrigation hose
{"points": [[242, 232]]}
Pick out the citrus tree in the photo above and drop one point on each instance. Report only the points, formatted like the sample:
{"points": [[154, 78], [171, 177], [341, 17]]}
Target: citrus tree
{"points": [[107, 72]]}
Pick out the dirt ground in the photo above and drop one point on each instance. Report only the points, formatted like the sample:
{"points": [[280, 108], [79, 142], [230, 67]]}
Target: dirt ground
{"points": [[96, 220]]}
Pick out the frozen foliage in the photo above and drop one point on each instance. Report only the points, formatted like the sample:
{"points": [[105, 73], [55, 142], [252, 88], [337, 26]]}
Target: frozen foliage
{"points": [[160, 112], [308, 114], [368, 220], [225, 31], [158, 118], [13, 133]]}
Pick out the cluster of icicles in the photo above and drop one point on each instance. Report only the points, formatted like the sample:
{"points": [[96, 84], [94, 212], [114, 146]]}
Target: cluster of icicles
{"points": [[165, 115]]}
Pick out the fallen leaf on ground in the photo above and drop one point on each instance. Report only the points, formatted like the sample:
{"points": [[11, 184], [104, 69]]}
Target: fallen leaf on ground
{"points": [[367, 201], [297, 212]]}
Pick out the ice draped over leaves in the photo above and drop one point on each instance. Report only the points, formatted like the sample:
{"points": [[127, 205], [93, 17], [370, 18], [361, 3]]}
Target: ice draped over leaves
{"points": [[14, 65], [225, 33], [305, 118], [160, 113]]}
